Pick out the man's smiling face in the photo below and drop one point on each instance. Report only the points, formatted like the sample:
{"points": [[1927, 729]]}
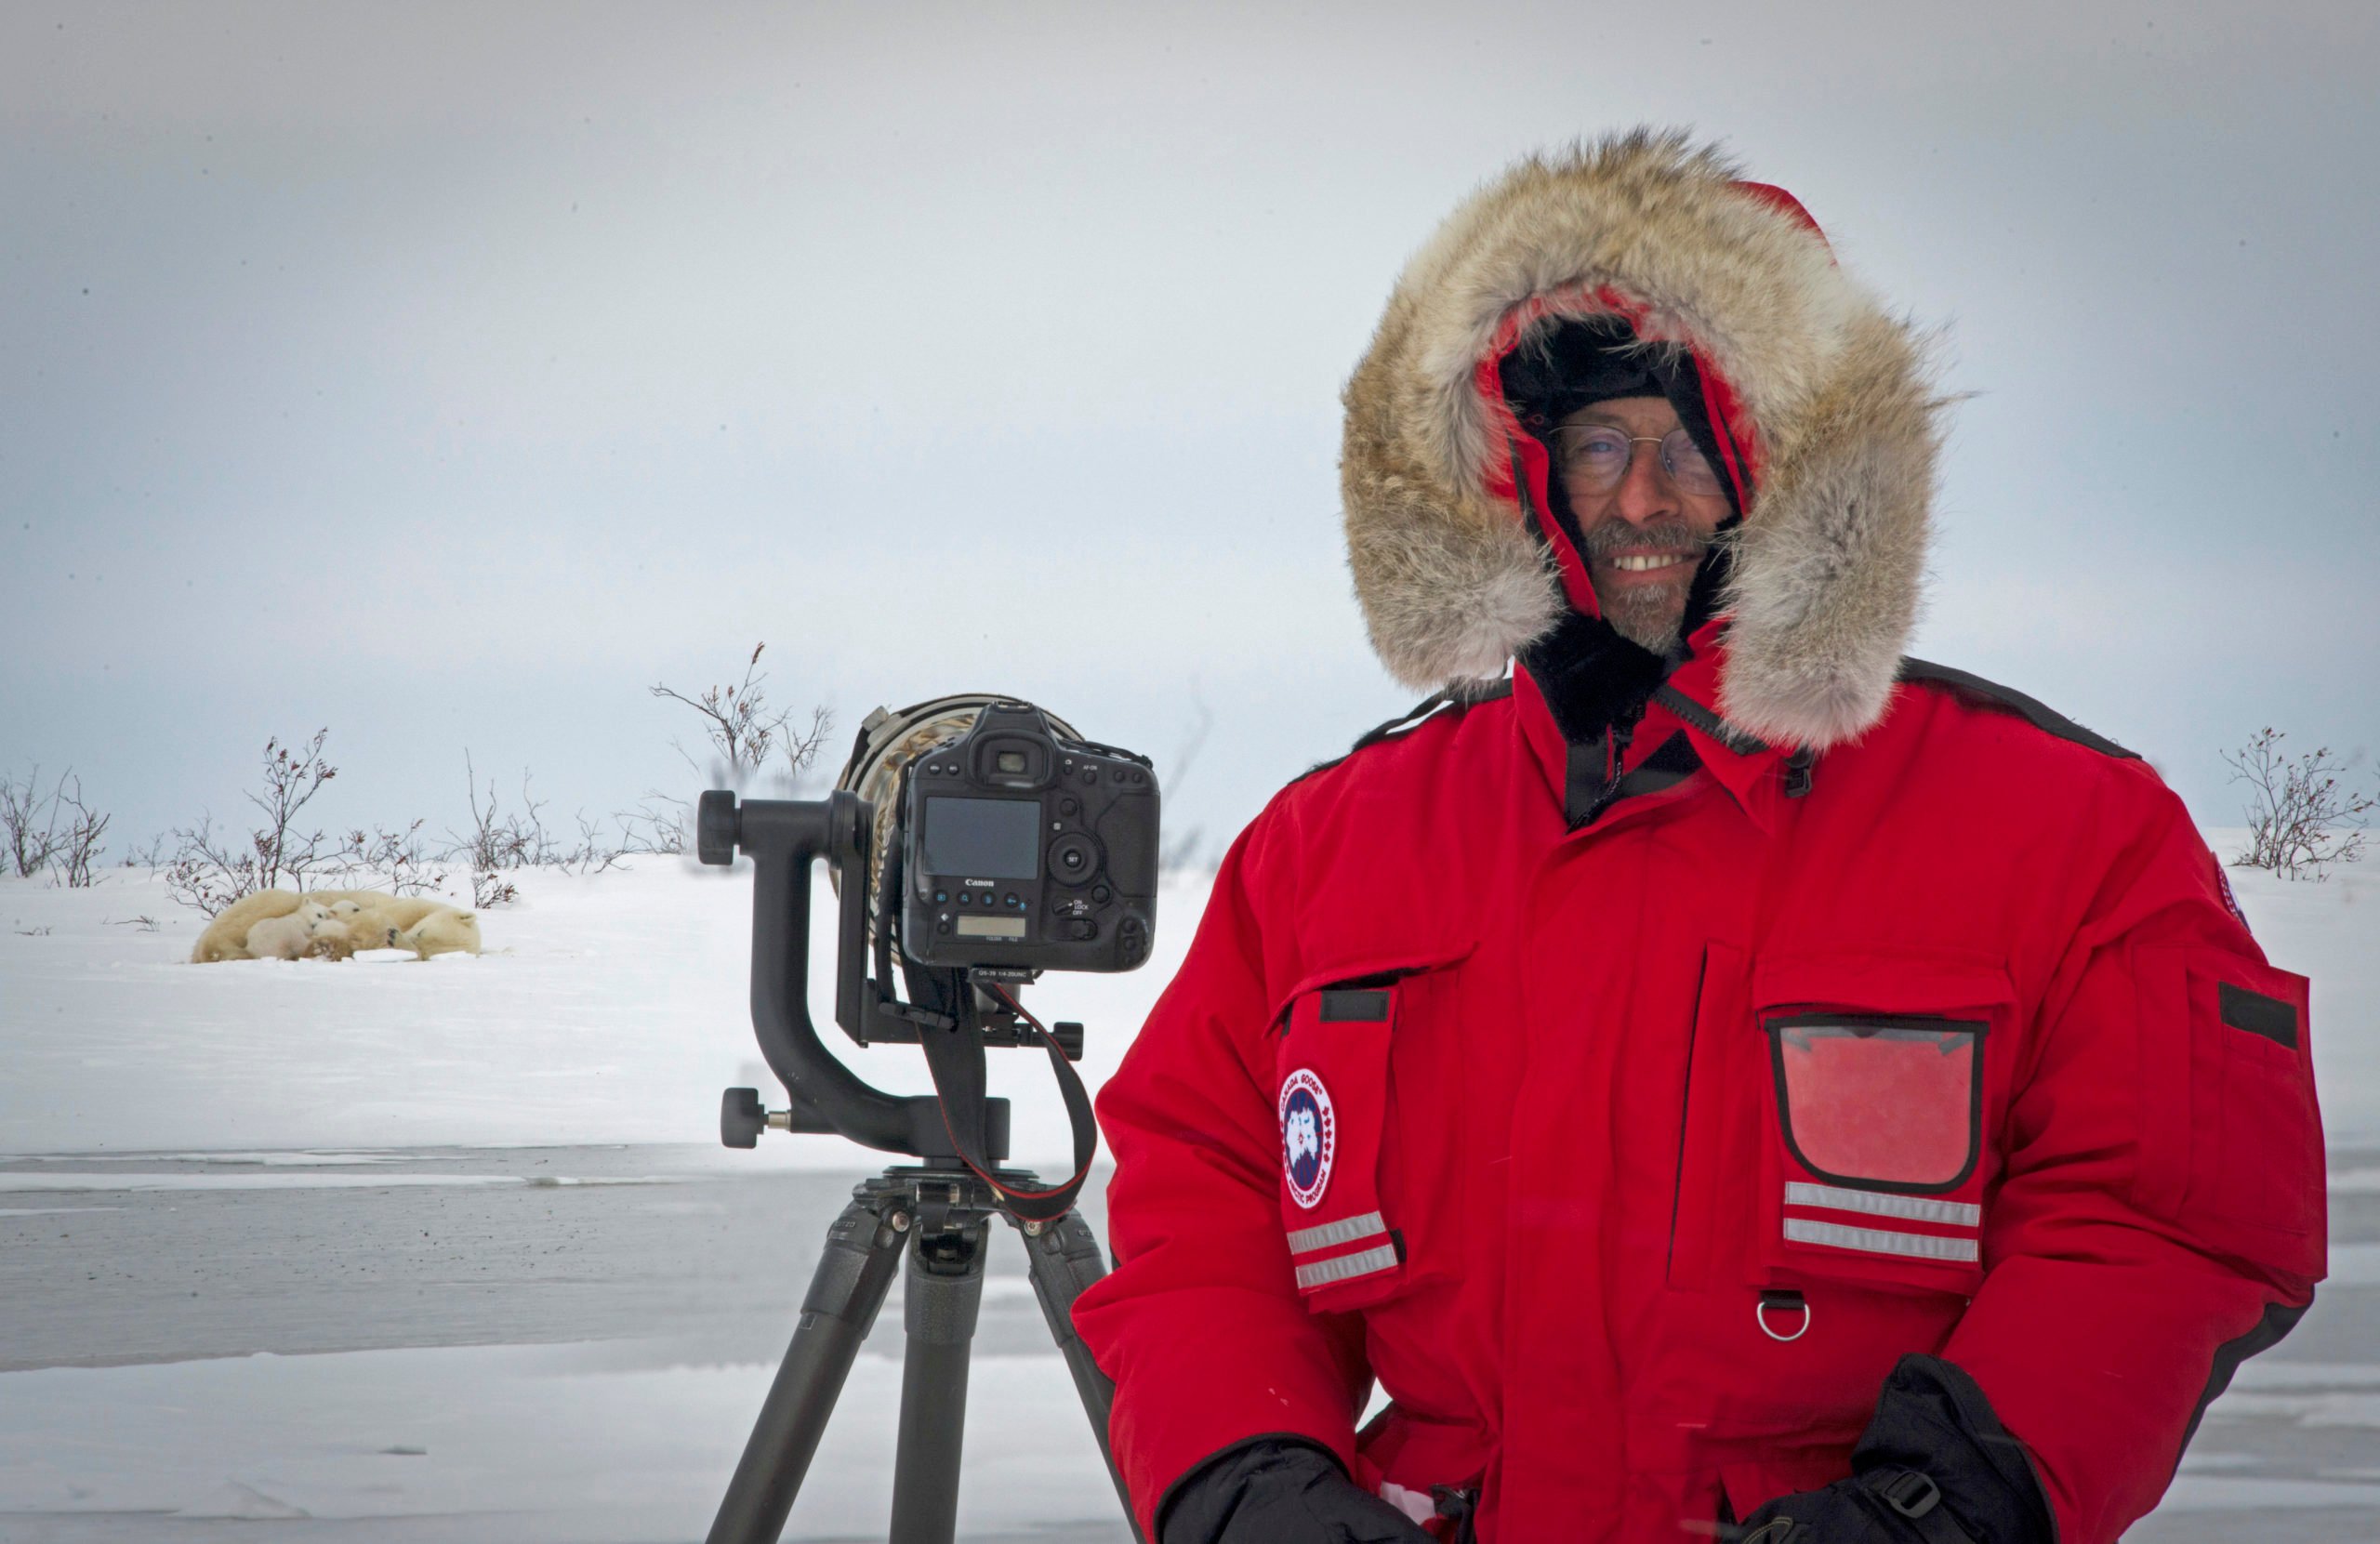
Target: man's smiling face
{"points": [[1646, 511]]}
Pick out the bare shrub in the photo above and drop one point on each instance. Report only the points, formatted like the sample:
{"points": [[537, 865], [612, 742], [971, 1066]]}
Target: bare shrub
{"points": [[28, 819], [207, 872], [743, 730], [400, 860], [78, 844], [153, 855], [503, 839], [55, 830], [210, 873], [657, 826], [499, 839], [2300, 820]]}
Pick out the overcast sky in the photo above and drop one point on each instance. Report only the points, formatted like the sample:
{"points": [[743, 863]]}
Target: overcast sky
{"points": [[448, 374]]}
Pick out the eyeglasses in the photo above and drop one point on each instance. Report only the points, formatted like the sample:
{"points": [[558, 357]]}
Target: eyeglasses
{"points": [[1597, 455]]}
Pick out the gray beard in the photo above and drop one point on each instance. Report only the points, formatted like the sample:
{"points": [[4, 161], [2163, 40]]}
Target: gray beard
{"points": [[1652, 619]]}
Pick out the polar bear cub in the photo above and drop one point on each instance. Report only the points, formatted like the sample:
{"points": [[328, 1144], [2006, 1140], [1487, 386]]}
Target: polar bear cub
{"points": [[289, 936], [445, 932], [383, 921], [353, 929]]}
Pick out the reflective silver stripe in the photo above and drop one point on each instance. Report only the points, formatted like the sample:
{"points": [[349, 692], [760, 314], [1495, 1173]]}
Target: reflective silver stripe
{"points": [[1917, 1209], [1363, 1262], [1345, 1231], [1917, 1245]]}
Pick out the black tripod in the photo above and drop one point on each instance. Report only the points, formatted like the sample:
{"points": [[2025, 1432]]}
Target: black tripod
{"points": [[938, 1212]]}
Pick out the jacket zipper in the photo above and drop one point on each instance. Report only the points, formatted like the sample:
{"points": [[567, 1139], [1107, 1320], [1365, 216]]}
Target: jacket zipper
{"points": [[1616, 740]]}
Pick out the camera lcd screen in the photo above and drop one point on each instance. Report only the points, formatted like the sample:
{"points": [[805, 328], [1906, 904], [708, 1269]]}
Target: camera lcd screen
{"points": [[991, 927], [982, 838]]}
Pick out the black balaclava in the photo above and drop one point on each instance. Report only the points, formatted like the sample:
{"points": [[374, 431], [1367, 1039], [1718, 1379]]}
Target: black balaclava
{"points": [[1593, 677]]}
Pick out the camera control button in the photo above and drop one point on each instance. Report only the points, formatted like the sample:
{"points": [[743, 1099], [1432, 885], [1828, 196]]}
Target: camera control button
{"points": [[1082, 930], [1132, 940], [1070, 806], [942, 897], [1073, 859], [1090, 775], [1102, 894], [1011, 900]]}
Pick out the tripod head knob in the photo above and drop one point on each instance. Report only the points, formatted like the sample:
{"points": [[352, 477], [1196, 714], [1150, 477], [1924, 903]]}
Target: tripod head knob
{"points": [[741, 1119], [716, 829]]}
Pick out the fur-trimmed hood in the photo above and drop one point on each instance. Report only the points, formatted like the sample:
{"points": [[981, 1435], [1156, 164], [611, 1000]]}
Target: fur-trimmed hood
{"points": [[1824, 397]]}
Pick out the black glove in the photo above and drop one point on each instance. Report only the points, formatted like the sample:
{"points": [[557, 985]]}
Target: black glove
{"points": [[1935, 1467], [1277, 1490]]}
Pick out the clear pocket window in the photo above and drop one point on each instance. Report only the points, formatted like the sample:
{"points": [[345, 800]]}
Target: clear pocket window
{"points": [[1880, 1103]]}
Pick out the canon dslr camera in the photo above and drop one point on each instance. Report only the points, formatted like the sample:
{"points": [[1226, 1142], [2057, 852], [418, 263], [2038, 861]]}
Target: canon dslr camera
{"points": [[1022, 849]]}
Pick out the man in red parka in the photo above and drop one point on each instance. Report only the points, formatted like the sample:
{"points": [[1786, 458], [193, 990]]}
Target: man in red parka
{"points": [[1722, 1078]]}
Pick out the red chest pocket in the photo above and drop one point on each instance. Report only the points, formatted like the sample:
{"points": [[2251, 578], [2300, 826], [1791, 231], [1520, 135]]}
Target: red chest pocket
{"points": [[1332, 1107], [1884, 1079]]}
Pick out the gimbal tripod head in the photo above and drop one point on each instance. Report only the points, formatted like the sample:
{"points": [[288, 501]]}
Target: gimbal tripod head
{"points": [[782, 838]]}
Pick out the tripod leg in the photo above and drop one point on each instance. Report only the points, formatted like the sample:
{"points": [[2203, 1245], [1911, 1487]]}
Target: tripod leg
{"points": [[847, 1290], [944, 1288], [1064, 1258]]}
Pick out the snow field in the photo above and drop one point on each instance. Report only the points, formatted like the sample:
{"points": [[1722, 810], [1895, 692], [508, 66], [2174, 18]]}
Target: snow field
{"points": [[612, 1008]]}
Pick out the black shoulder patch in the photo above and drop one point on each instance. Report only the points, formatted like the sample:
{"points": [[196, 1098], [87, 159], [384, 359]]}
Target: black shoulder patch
{"points": [[2038, 715], [1488, 692]]}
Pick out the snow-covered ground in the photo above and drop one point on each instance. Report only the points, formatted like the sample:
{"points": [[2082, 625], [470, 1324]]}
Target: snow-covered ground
{"points": [[612, 1010], [608, 1008]]}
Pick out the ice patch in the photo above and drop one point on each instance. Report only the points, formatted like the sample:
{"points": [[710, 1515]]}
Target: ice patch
{"points": [[244, 1502], [2222, 1493], [247, 1181], [2354, 1265], [2264, 1372], [300, 1159]]}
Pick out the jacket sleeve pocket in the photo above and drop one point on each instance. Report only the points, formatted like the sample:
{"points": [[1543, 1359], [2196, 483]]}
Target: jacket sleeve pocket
{"points": [[1332, 1105], [1367, 1095], [2226, 1111]]}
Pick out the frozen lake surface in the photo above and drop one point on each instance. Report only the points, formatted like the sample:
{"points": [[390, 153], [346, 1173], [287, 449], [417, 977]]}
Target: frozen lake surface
{"points": [[571, 1347]]}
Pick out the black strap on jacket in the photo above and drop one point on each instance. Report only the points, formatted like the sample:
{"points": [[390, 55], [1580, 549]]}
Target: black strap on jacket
{"points": [[1461, 699], [2009, 700]]}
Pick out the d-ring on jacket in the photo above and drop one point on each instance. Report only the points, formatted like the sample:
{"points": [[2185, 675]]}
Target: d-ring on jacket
{"points": [[1628, 1072]]}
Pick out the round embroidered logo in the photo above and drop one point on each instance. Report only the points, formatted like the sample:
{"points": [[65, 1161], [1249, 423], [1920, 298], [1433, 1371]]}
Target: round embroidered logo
{"points": [[1309, 1136]]}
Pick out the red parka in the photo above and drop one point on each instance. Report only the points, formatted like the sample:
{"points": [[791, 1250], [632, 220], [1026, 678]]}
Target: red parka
{"points": [[1628, 1142]]}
